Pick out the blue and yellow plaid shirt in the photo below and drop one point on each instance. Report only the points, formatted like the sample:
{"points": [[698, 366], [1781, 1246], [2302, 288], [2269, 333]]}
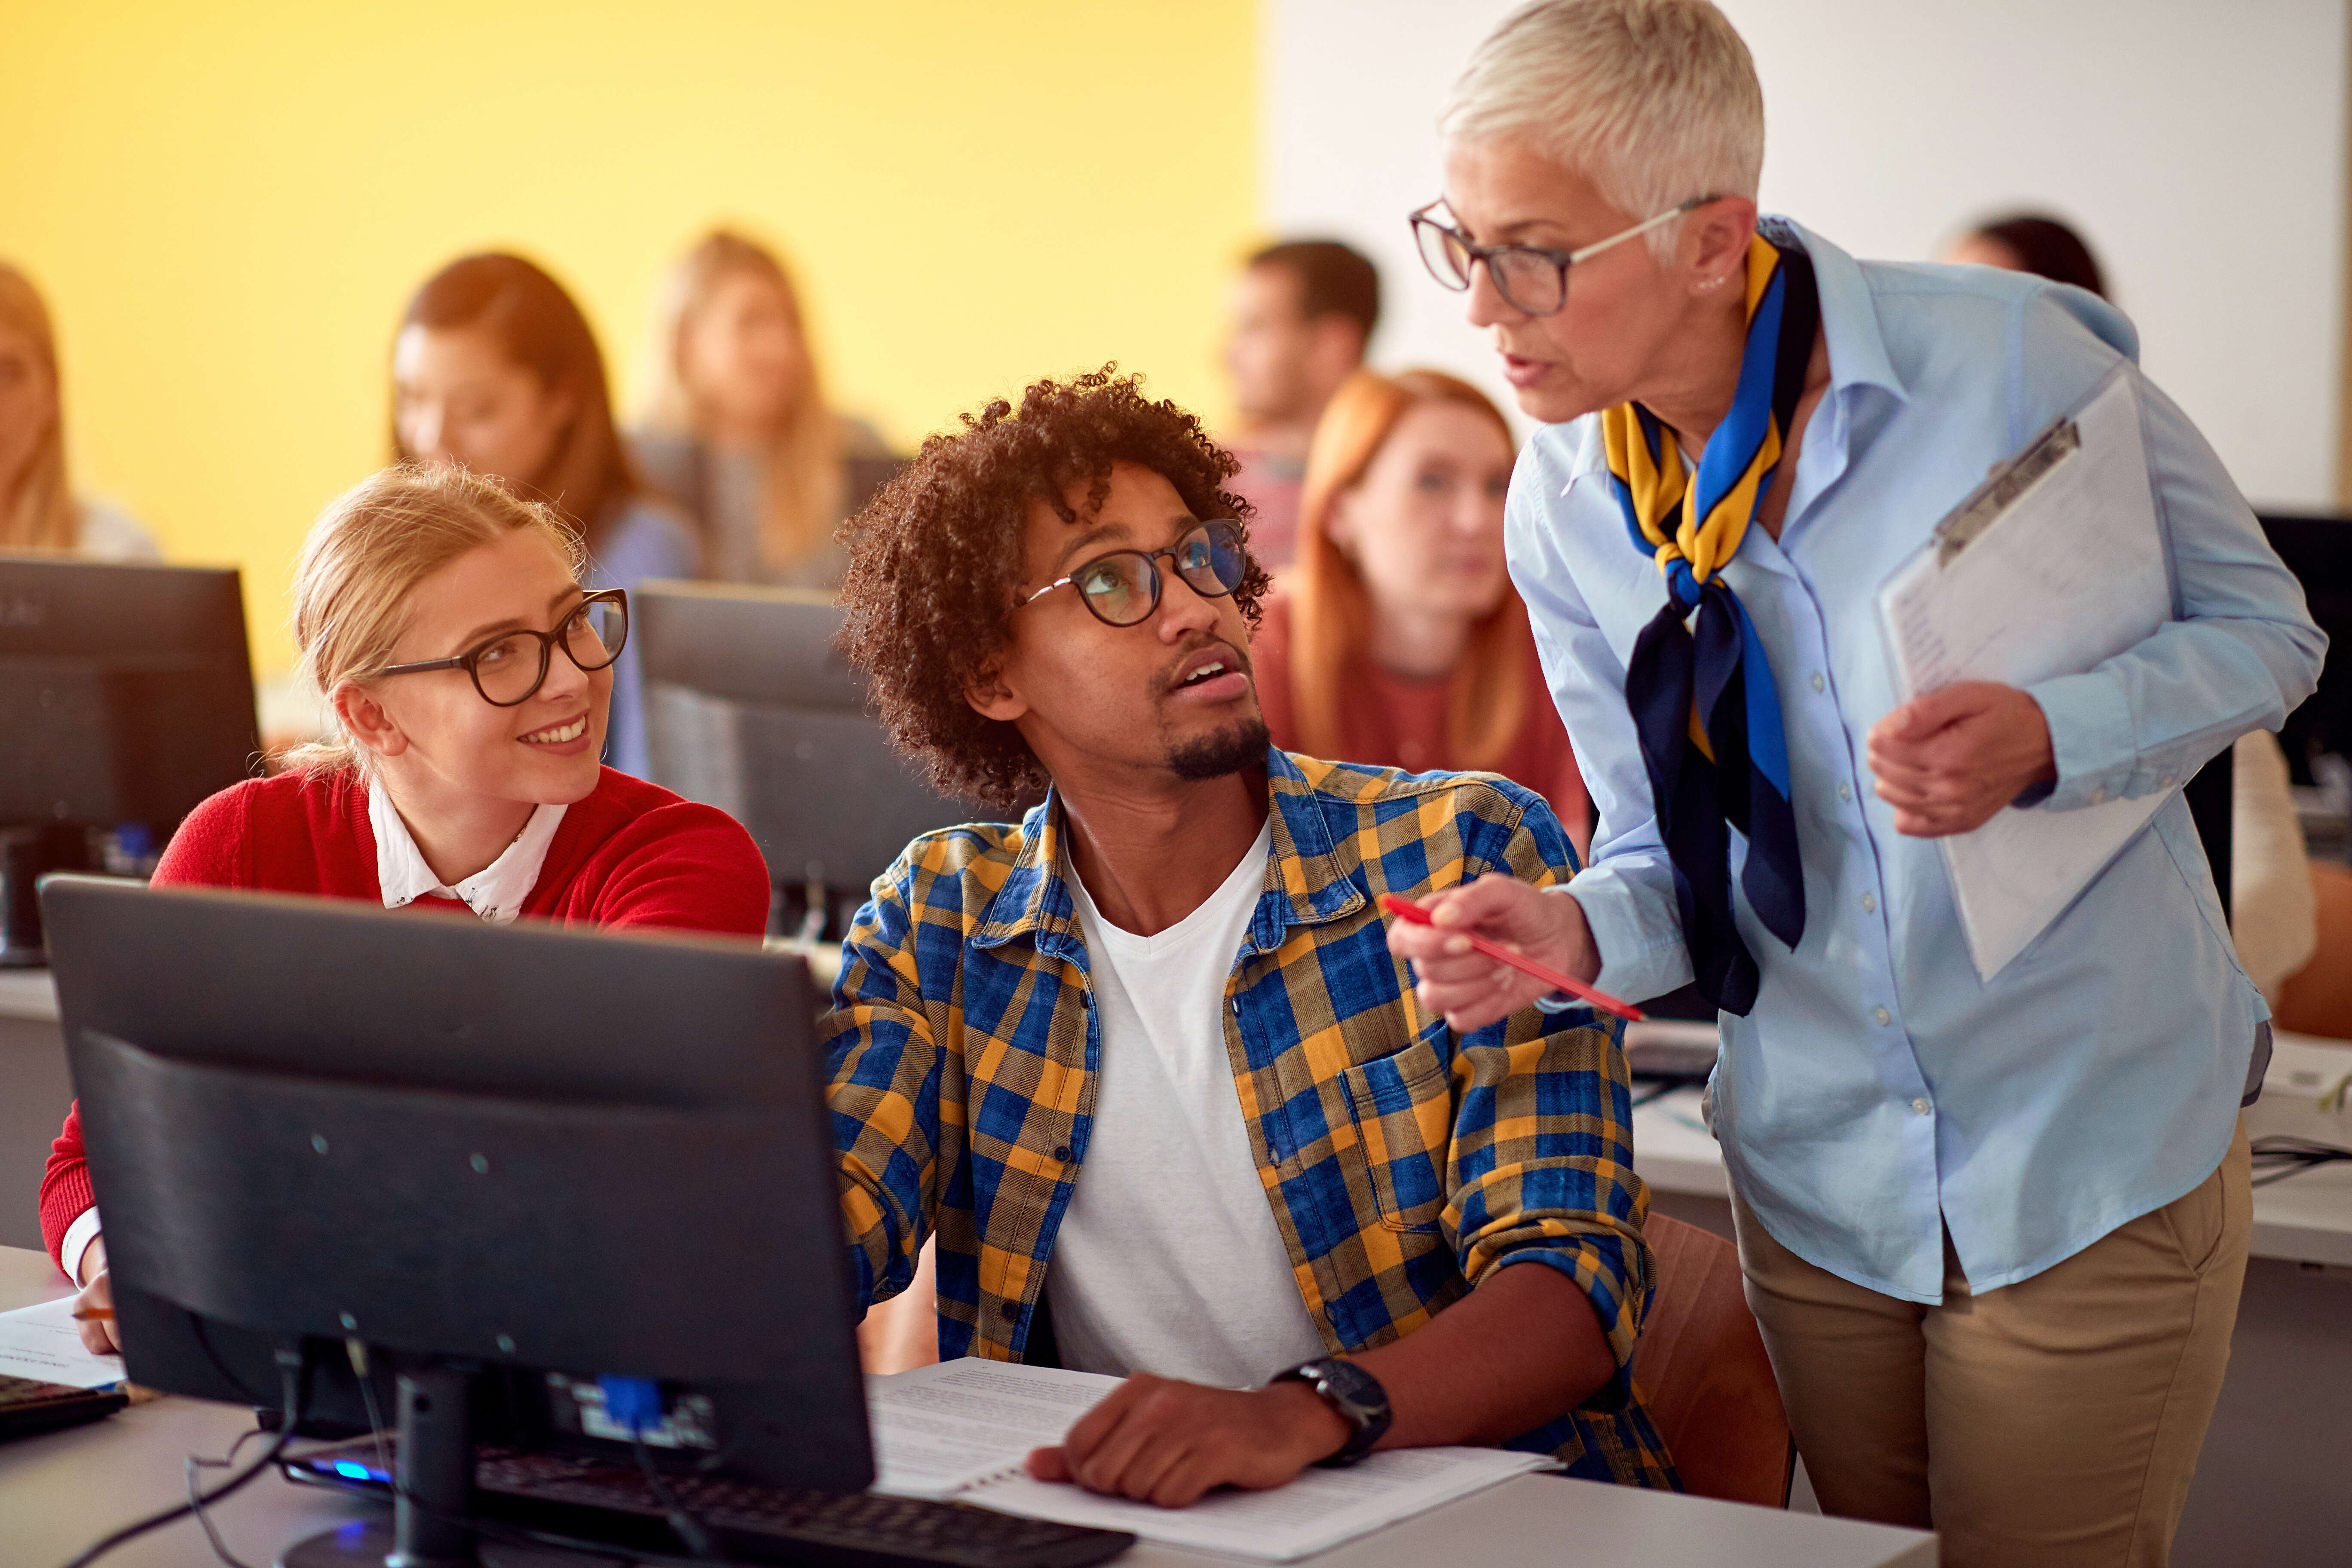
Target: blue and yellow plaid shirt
{"points": [[1403, 1164]]}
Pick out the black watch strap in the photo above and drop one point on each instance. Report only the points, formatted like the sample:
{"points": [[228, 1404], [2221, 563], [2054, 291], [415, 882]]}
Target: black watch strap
{"points": [[1356, 1394]]}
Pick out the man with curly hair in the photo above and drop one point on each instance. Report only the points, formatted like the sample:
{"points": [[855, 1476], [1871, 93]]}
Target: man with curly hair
{"points": [[1144, 1065]]}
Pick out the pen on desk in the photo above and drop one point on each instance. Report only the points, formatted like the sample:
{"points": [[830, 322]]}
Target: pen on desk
{"points": [[1405, 908], [93, 1314]]}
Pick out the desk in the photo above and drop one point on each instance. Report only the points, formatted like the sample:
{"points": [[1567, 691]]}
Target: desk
{"points": [[2270, 1484], [61, 1491]]}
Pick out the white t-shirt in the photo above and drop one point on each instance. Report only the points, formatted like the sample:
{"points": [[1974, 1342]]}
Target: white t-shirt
{"points": [[1168, 1261], [107, 533]]}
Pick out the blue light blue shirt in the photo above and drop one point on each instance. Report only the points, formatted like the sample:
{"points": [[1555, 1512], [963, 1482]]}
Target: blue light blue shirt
{"points": [[1879, 1090], [642, 541]]}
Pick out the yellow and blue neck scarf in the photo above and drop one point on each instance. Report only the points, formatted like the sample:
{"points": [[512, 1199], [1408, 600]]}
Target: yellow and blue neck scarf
{"points": [[1699, 686]]}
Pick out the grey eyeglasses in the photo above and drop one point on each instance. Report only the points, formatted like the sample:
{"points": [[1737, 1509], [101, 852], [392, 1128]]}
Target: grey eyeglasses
{"points": [[1531, 278]]}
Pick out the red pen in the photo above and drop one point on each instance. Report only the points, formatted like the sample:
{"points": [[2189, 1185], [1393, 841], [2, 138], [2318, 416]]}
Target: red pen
{"points": [[1406, 910]]}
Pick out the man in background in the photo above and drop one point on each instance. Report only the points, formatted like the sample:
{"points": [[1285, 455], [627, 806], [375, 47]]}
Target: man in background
{"points": [[1303, 313]]}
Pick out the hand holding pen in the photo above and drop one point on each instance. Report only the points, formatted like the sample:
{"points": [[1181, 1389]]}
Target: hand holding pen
{"points": [[1482, 951]]}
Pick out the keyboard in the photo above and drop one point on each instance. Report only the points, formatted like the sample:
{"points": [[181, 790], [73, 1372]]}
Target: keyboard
{"points": [[28, 1407], [585, 1497]]}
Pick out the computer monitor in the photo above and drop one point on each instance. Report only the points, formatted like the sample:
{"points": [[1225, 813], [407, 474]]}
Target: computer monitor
{"points": [[750, 707], [2318, 550], [126, 698], [508, 1161]]}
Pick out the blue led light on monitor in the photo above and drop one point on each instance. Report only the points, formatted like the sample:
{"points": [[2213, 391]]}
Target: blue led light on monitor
{"points": [[351, 1470]]}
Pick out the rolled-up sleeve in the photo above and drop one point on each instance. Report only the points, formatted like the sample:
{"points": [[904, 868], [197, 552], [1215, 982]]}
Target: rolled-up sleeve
{"points": [[1542, 1157]]}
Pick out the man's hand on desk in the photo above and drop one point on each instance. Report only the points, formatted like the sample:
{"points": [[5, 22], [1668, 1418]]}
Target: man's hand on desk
{"points": [[1469, 988], [1948, 760], [1171, 1442], [97, 1293]]}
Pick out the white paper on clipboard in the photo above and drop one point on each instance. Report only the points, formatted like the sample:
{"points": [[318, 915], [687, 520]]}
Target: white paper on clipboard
{"points": [[2053, 564]]}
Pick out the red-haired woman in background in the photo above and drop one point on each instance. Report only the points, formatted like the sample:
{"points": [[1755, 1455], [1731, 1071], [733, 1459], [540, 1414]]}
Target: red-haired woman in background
{"points": [[1398, 640], [496, 369]]}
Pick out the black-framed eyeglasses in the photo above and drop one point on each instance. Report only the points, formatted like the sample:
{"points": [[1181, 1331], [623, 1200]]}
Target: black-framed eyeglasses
{"points": [[1531, 278], [1122, 586], [509, 668]]}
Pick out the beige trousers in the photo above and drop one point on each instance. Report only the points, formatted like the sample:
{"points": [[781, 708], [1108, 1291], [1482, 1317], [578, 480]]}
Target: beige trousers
{"points": [[2054, 1423]]}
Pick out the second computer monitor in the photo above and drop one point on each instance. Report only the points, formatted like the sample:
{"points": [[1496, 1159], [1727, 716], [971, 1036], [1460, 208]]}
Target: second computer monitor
{"points": [[750, 707]]}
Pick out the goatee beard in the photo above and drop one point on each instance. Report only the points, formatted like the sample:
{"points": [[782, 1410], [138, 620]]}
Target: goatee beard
{"points": [[1239, 746]]}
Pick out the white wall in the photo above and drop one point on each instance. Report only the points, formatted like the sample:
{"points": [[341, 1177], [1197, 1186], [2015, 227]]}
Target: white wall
{"points": [[2198, 143]]}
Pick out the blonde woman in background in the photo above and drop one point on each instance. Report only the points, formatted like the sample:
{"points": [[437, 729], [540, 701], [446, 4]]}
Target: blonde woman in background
{"points": [[734, 425], [39, 510]]}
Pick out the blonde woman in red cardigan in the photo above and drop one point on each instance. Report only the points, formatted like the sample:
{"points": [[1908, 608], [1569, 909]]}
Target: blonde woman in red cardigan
{"points": [[1398, 640], [470, 676]]}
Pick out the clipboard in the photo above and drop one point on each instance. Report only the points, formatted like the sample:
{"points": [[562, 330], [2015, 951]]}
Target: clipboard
{"points": [[2053, 564]]}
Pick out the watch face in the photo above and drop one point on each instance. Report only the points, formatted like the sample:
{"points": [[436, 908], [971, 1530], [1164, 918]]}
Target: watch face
{"points": [[1351, 1385]]}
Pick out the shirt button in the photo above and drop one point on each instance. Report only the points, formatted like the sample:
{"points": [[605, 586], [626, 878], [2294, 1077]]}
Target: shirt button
{"points": [[1882, 1016], [1012, 1310], [1845, 792], [1921, 1106], [1870, 903], [1819, 683], [1062, 1152], [2099, 795]]}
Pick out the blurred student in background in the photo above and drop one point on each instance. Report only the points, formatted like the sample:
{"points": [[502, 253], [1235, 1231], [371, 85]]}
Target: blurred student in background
{"points": [[39, 509], [2035, 243], [2273, 907], [1398, 640], [495, 368], [734, 426], [1302, 316]]}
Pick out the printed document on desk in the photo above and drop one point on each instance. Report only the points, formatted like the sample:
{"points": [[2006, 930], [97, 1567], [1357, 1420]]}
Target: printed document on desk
{"points": [[43, 1342], [963, 1429], [2053, 564]]}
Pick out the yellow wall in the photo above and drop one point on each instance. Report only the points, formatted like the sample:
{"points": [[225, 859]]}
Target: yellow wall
{"points": [[227, 206]]}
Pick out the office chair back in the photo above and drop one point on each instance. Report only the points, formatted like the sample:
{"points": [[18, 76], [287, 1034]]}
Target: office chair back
{"points": [[1703, 1374], [750, 708]]}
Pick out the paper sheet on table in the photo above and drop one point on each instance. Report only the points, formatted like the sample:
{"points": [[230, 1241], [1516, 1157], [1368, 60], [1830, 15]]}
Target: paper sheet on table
{"points": [[942, 1428], [2069, 572], [44, 1343], [963, 1428], [1313, 1514]]}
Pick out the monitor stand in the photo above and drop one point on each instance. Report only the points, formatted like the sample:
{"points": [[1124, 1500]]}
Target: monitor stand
{"points": [[434, 1466]]}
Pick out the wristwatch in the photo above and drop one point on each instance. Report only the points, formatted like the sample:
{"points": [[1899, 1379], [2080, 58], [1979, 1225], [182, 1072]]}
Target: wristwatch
{"points": [[1355, 1394]]}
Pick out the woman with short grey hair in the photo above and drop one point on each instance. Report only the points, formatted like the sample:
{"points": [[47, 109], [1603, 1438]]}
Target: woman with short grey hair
{"points": [[1993, 1229]]}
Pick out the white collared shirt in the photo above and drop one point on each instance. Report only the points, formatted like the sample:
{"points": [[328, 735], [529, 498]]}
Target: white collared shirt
{"points": [[496, 892]]}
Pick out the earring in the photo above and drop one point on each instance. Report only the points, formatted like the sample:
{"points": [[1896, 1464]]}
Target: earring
{"points": [[1716, 282]]}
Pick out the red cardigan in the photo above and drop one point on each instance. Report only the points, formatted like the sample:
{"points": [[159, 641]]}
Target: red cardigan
{"points": [[632, 854]]}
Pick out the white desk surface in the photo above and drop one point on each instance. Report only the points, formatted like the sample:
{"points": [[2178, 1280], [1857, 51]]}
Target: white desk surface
{"points": [[2306, 1218], [28, 993], [61, 1491]]}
